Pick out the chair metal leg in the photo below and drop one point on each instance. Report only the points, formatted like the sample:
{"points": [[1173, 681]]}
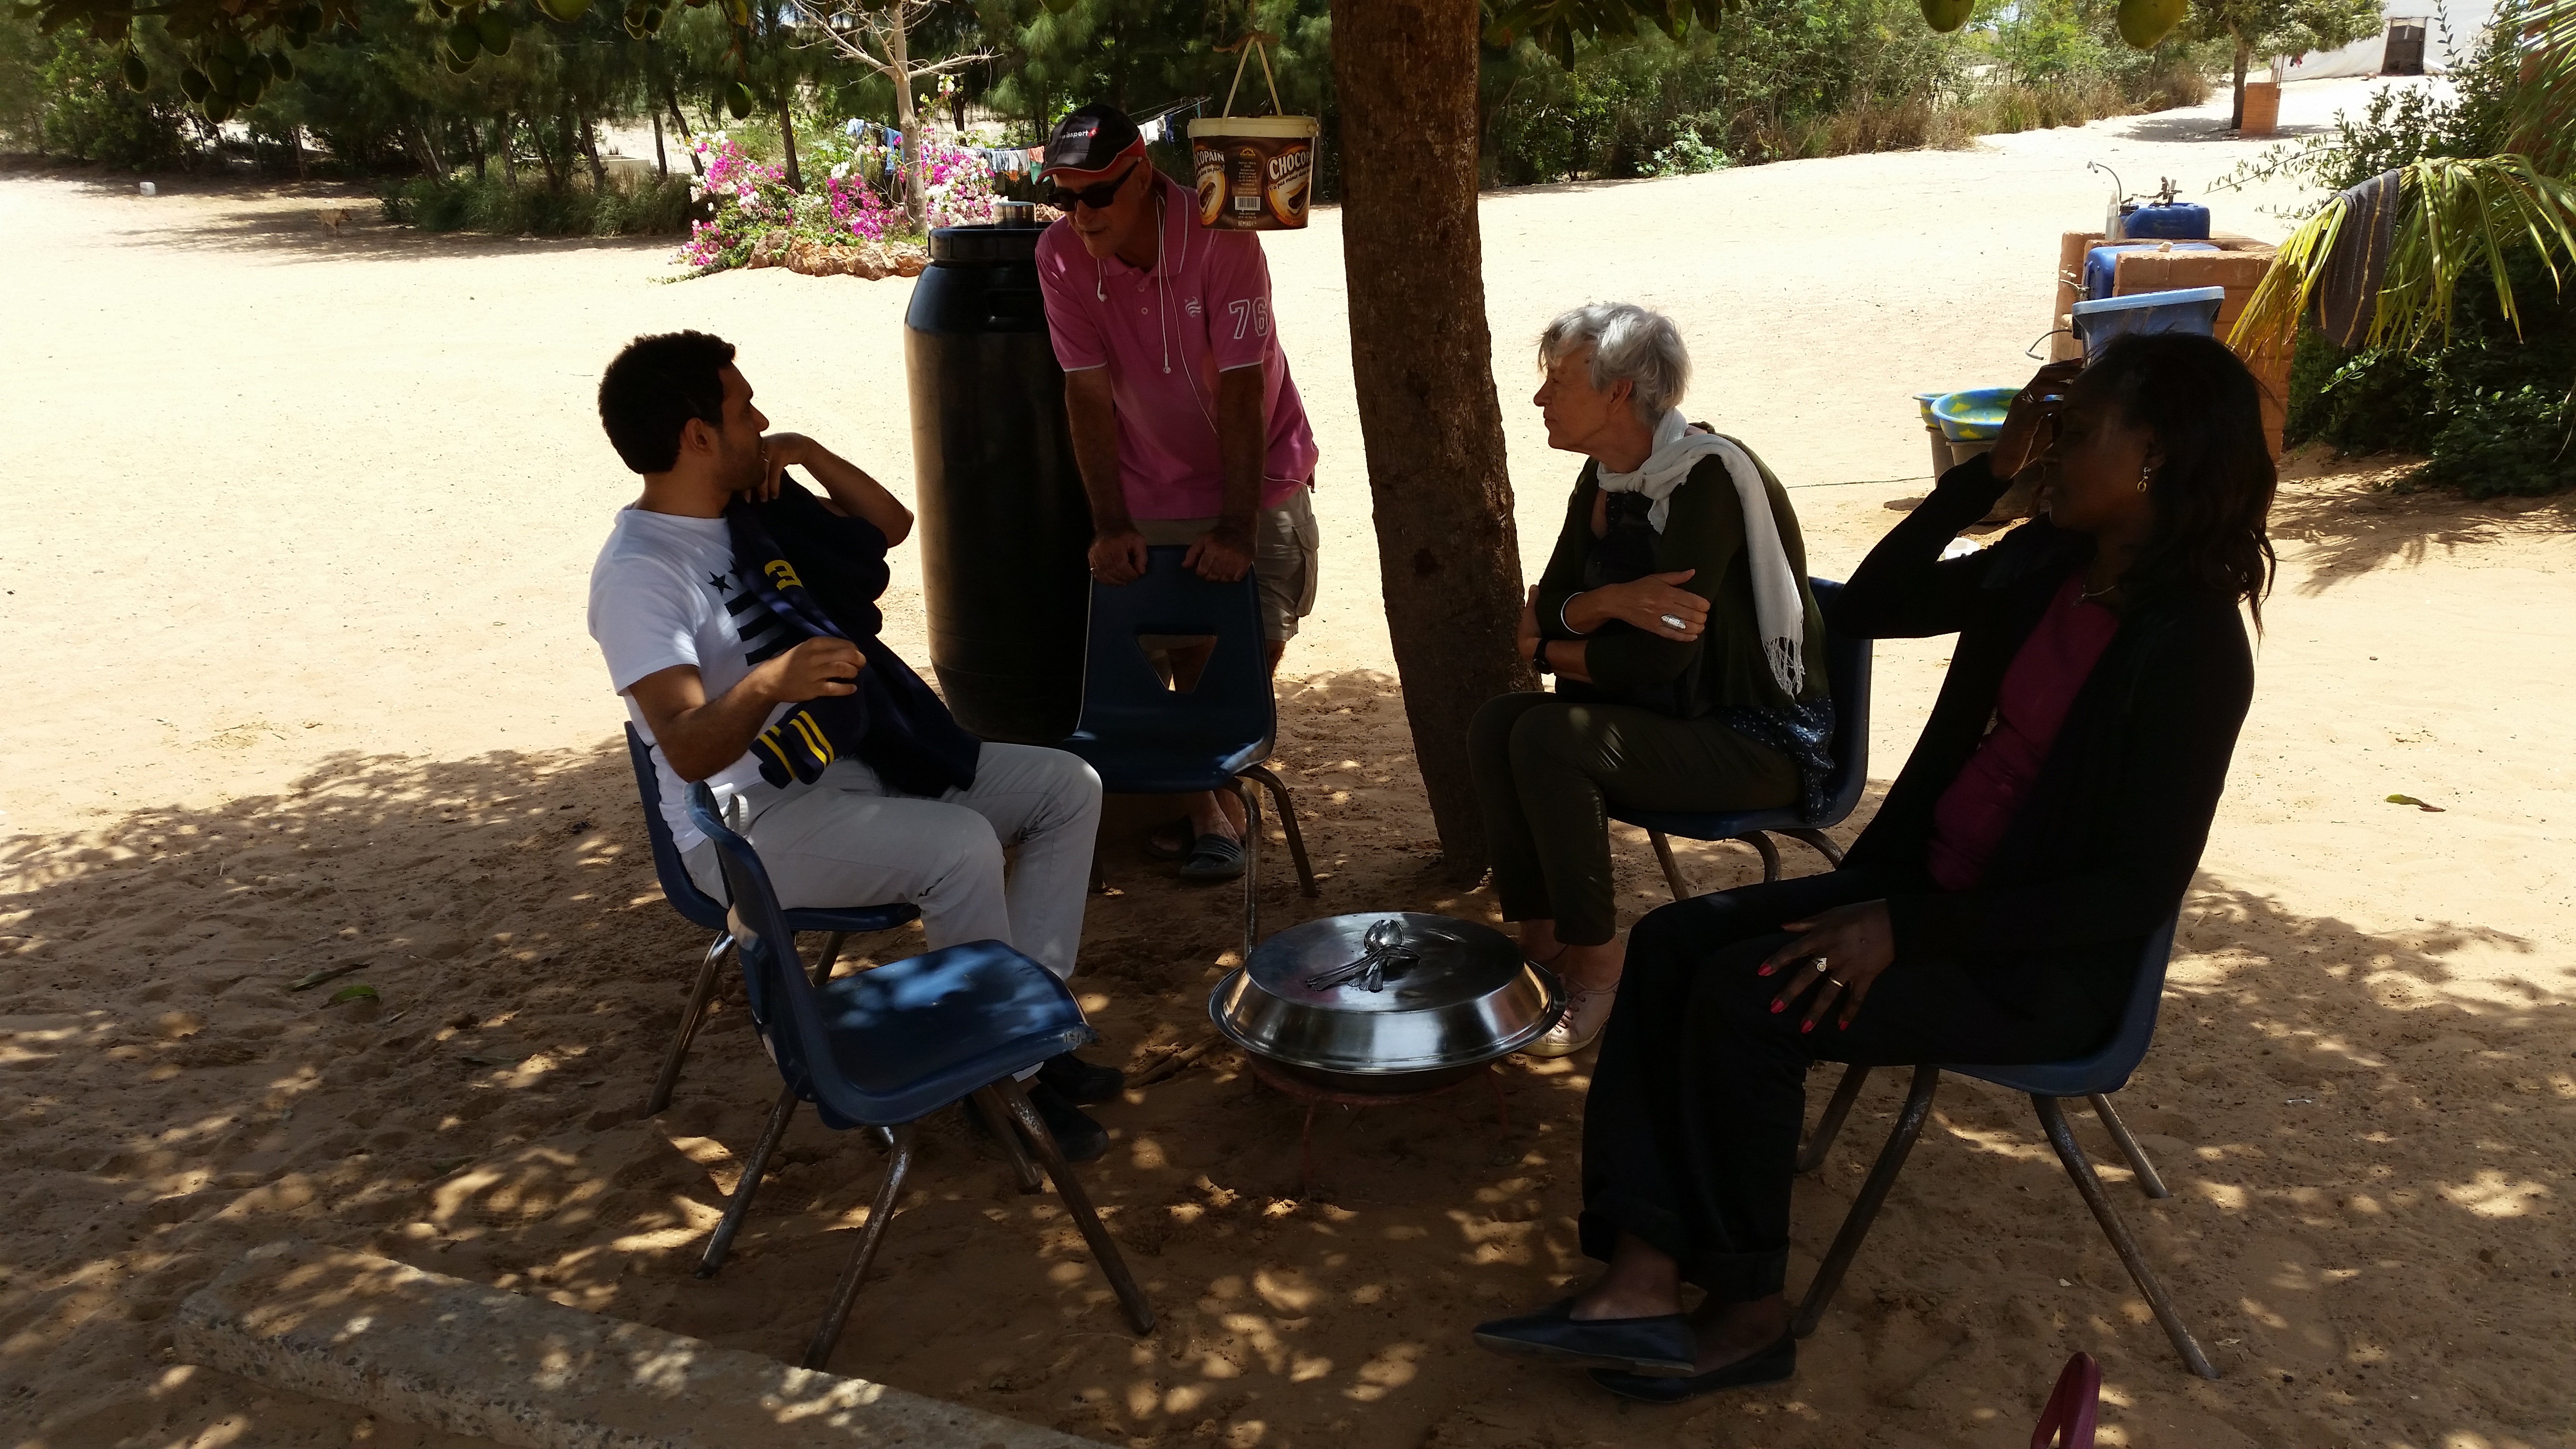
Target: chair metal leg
{"points": [[1760, 840], [1251, 871], [1140, 1314], [739, 1208], [1830, 1126], [694, 1013], [831, 957], [1006, 1130], [881, 1212], [1873, 1194], [1288, 822], [1821, 843], [1672, 868], [2052, 1119], [2148, 1182]]}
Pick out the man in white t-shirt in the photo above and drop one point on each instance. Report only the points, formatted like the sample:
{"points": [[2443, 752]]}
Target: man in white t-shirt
{"points": [[667, 608]]}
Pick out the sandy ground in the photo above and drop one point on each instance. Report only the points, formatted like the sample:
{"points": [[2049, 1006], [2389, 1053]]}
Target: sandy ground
{"points": [[309, 687]]}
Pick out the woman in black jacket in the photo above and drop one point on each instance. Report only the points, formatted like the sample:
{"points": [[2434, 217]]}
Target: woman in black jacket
{"points": [[1995, 910]]}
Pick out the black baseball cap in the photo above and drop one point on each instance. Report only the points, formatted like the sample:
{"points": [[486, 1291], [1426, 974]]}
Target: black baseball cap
{"points": [[1091, 139]]}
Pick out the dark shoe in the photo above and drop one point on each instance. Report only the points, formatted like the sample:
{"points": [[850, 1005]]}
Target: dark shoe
{"points": [[1076, 1136], [1079, 1082], [1769, 1366], [1660, 1346], [1170, 840], [1213, 858]]}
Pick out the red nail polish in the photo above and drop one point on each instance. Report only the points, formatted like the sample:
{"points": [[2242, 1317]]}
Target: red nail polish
{"points": [[1765, 971], [1806, 1026], [1777, 1007]]}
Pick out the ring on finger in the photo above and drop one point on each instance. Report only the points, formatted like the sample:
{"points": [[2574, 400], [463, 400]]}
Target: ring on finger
{"points": [[1672, 622], [1818, 962], [1838, 981]]}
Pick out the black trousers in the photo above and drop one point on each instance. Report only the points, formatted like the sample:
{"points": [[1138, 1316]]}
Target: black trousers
{"points": [[1690, 1135]]}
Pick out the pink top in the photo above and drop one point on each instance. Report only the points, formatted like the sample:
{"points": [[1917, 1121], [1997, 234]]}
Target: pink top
{"points": [[1164, 339], [2039, 687]]}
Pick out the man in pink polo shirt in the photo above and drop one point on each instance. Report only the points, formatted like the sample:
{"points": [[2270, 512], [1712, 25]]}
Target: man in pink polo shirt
{"points": [[1186, 425]]}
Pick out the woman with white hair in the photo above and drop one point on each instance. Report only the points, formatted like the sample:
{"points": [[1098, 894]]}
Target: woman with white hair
{"points": [[1688, 650]]}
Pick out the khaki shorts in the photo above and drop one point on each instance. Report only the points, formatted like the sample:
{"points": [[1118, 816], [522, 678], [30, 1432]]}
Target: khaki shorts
{"points": [[1284, 546]]}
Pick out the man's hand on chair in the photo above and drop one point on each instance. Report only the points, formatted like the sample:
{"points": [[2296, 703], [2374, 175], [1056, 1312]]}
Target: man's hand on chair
{"points": [[1118, 556], [811, 670], [1222, 553]]}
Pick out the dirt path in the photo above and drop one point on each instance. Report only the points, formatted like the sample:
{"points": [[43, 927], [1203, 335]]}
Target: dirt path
{"points": [[306, 685]]}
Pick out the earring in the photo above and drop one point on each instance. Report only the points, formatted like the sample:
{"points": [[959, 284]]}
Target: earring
{"points": [[2146, 475]]}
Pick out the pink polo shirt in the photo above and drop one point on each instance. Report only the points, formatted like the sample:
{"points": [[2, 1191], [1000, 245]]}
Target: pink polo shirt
{"points": [[1164, 340]]}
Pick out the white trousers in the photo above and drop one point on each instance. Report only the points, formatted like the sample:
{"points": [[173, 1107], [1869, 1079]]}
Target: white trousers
{"points": [[845, 840]]}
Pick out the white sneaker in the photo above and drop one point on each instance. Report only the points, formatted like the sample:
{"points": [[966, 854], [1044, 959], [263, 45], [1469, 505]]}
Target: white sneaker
{"points": [[1587, 1010]]}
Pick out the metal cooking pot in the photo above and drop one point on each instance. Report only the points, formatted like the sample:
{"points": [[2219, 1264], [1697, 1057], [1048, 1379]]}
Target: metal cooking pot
{"points": [[1385, 1002]]}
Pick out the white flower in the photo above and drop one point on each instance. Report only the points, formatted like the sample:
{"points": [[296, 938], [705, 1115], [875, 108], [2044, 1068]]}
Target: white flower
{"points": [[841, 172]]}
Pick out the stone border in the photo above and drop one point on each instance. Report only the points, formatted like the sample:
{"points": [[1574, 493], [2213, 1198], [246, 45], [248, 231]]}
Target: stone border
{"points": [[467, 1358]]}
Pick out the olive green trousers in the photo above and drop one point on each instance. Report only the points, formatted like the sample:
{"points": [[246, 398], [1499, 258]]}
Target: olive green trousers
{"points": [[1547, 770]]}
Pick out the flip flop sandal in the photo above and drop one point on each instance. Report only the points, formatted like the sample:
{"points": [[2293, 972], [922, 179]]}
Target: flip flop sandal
{"points": [[1213, 858], [1170, 840]]}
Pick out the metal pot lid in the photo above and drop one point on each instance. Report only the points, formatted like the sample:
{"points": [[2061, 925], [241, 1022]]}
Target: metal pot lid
{"points": [[1384, 992]]}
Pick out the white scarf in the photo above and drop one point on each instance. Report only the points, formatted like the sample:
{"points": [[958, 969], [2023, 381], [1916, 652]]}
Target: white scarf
{"points": [[1778, 608]]}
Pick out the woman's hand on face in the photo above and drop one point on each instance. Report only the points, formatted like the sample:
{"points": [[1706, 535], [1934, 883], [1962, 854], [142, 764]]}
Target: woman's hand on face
{"points": [[2026, 433], [1836, 956], [1651, 603]]}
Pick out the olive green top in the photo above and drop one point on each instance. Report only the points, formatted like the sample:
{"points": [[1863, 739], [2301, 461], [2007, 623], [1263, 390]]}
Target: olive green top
{"points": [[1704, 531]]}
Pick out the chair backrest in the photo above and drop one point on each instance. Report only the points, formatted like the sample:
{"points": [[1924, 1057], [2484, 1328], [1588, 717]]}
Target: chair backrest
{"points": [[2108, 1068], [1847, 669], [781, 998], [1123, 698], [683, 892]]}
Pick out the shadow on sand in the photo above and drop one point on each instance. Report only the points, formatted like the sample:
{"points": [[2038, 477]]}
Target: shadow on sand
{"points": [[2366, 1152]]}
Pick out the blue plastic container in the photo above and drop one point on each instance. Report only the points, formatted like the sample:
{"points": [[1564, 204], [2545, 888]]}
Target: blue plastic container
{"points": [[1975, 415], [2167, 221], [2190, 309], [2102, 264]]}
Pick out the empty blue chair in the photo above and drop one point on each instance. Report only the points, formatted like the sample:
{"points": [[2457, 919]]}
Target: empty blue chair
{"points": [[1847, 663], [2049, 1084], [885, 1048], [692, 903], [1145, 738]]}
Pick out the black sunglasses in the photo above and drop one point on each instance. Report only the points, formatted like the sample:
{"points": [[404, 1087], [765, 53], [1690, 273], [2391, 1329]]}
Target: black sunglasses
{"points": [[1096, 197]]}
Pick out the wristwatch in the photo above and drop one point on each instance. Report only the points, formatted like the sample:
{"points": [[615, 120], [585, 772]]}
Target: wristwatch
{"points": [[1538, 659]]}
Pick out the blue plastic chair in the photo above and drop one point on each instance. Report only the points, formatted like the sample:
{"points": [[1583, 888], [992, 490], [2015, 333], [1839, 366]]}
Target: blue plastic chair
{"points": [[1847, 665], [694, 906], [885, 1048], [2049, 1084], [1145, 738]]}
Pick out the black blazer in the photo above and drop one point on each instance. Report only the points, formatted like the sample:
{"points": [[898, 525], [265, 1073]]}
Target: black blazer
{"points": [[2114, 826]]}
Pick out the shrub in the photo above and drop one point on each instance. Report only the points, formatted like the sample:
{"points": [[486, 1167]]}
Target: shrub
{"points": [[624, 207]]}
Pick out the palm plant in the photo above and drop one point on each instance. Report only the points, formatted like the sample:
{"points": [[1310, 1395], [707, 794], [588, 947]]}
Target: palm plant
{"points": [[2457, 216]]}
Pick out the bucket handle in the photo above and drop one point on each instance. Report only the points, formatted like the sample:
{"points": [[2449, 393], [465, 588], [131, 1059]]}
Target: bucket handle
{"points": [[1257, 41]]}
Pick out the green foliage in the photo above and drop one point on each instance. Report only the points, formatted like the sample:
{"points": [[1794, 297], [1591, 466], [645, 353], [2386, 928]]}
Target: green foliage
{"points": [[626, 206], [67, 95], [2490, 410]]}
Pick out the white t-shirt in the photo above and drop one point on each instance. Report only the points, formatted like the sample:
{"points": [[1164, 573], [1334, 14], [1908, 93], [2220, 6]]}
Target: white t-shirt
{"points": [[663, 592]]}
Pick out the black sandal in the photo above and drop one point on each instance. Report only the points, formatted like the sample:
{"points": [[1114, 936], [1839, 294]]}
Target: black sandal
{"points": [[1214, 858], [1171, 840]]}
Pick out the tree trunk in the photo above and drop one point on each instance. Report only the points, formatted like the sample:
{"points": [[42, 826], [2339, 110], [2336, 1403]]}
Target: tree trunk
{"points": [[1421, 362], [599, 168], [671, 97], [661, 158], [506, 151], [787, 134], [2244, 53], [915, 181], [295, 138]]}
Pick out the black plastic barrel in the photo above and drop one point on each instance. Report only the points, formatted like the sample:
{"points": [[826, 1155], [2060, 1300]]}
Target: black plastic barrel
{"points": [[1005, 529]]}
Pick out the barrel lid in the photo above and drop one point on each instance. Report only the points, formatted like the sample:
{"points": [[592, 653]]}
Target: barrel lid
{"points": [[1216, 127], [971, 244]]}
